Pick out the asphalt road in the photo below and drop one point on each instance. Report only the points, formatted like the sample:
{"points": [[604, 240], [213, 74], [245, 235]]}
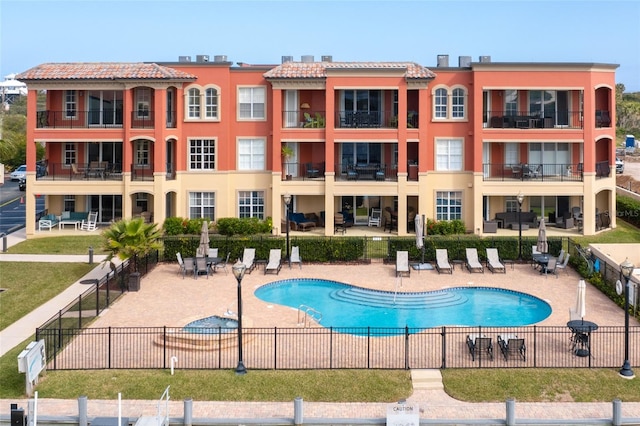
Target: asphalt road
{"points": [[12, 210]]}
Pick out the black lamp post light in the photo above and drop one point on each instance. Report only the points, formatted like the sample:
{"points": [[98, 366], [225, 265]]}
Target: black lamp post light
{"points": [[238, 271], [287, 202], [520, 199], [626, 268]]}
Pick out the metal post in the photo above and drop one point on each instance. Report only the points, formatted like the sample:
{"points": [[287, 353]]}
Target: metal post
{"points": [[82, 411], [511, 412], [238, 272], [627, 269], [4, 242], [188, 412], [520, 232], [287, 202], [297, 411], [617, 413], [90, 255]]}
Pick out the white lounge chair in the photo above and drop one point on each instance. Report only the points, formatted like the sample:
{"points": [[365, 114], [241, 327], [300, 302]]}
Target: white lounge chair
{"points": [[493, 261], [442, 261], [275, 262], [402, 263], [295, 256], [473, 264], [248, 259]]}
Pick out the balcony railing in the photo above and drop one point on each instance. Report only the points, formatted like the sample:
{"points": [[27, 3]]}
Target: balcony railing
{"points": [[308, 119], [526, 120], [93, 171], [142, 172], [366, 172], [304, 171], [79, 119], [547, 172], [364, 119], [142, 119]]}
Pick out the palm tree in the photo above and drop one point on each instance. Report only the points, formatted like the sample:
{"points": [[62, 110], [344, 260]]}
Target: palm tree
{"points": [[128, 239]]}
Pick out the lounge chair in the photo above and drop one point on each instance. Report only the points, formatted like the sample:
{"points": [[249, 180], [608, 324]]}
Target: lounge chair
{"points": [[402, 263], [562, 264], [275, 262], [222, 265], [473, 264], [248, 259], [185, 267], [442, 261], [295, 256], [202, 267], [479, 347], [493, 261], [512, 346]]}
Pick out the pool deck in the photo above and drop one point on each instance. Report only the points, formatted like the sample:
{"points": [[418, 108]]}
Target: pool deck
{"points": [[165, 298]]}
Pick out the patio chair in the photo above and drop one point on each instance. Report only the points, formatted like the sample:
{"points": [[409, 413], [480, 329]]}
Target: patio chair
{"points": [[339, 224], [90, 223], [185, 267], [442, 261], [561, 256], [295, 256], [213, 252], [473, 264], [493, 261], [202, 267], [551, 267], [222, 265], [248, 259], [563, 265], [275, 262], [480, 346], [512, 346], [402, 263], [375, 219]]}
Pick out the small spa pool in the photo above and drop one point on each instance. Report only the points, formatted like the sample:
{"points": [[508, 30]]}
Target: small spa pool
{"points": [[343, 305], [211, 325]]}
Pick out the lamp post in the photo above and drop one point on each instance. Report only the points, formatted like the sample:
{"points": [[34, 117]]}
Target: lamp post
{"points": [[287, 202], [238, 272], [520, 200], [626, 268]]}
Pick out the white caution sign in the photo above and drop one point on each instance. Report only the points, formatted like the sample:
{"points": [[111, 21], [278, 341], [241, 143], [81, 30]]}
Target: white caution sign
{"points": [[403, 414]]}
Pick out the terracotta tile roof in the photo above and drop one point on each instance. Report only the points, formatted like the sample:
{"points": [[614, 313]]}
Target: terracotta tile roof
{"points": [[319, 69], [102, 71]]}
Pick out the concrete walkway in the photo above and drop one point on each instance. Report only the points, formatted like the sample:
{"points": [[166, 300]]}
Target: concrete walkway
{"points": [[434, 403]]}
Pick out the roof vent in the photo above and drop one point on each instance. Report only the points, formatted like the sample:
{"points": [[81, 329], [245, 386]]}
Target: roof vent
{"points": [[464, 61], [220, 58], [202, 58], [327, 58], [485, 58], [184, 58], [307, 58], [443, 61], [286, 59]]}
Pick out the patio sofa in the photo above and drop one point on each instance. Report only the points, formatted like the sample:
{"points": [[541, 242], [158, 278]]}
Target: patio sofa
{"points": [[510, 219], [47, 222], [298, 222]]}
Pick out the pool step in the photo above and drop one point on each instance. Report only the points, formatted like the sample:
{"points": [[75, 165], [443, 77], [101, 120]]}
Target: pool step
{"points": [[426, 379]]}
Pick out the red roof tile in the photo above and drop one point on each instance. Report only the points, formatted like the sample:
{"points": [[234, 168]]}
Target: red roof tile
{"points": [[102, 71], [319, 69]]}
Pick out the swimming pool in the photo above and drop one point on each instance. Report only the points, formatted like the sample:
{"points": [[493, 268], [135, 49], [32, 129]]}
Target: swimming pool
{"points": [[343, 305]]}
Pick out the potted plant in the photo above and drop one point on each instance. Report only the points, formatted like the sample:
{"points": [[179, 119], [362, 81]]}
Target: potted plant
{"points": [[287, 153], [129, 239]]}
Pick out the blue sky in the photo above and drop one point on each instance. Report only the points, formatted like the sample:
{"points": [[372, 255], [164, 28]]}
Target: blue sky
{"points": [[261, 32]]}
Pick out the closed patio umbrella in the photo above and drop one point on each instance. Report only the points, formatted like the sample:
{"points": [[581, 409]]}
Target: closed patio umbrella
{"points": [[203, 248], [581, 300], [420, 242], [542, 245]]}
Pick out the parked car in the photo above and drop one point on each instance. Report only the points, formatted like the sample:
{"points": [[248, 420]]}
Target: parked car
{"points": [[619, 165], [22, 184], [19, 173]]}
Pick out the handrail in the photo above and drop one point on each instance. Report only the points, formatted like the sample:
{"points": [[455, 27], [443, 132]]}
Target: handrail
{"points": [[308, 312]]}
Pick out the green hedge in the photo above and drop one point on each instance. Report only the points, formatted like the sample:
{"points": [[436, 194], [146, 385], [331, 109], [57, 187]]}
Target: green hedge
{"points": [[628, 209]]}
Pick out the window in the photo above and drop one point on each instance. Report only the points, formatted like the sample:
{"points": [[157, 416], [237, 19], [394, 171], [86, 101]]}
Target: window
{"points": [[142, 202], [202, 154], [193, 103], [441, 103], [143, 102], [69, 203], [511, 204], [142, 152], [251, 154], [511, 102], [105, 107], [211, 103], [251, 102], [70, 104], [448, 205], [251, 204], [449, 154], [457, 103], [202, 205], [511, 152], [69, 154]]}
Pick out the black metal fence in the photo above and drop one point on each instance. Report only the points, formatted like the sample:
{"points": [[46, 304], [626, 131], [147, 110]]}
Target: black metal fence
{"points": [[335, 348]]}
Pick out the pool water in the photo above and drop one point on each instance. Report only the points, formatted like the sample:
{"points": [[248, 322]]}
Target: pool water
{"points": [[211, 325], [343, 305]]}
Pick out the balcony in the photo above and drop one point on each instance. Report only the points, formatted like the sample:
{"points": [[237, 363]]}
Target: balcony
{"points": [[304, 171], [533, 172], [93, 171], [372, 119], [304, 119], [525, 120], [366, 172], [79, 119]]}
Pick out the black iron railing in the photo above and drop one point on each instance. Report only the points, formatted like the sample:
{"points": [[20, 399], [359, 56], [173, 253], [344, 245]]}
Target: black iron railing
{"points": [[549, 172], [534, 120]]}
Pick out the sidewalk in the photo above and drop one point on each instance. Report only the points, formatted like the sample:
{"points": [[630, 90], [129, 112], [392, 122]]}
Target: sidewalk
{"points": [[434, 403]]}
